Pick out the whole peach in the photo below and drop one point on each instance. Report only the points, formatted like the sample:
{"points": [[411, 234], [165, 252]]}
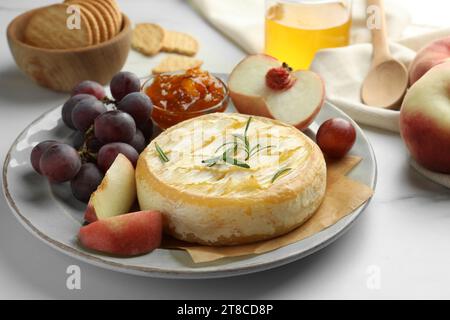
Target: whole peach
{"points": [[425, 119], [433, 54]]}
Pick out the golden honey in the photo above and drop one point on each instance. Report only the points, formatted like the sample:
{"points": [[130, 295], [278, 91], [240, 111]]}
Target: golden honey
{"points": [[296, 31]]}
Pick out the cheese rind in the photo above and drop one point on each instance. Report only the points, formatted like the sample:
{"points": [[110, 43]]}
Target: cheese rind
{"points": [[227, 204]]}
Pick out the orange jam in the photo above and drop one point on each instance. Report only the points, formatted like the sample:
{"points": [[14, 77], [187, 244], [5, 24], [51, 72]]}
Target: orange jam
{"points": [[178, 97]]}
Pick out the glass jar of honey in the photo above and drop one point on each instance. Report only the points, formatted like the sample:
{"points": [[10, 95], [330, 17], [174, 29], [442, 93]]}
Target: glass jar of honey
{"points": [[297, 29]]}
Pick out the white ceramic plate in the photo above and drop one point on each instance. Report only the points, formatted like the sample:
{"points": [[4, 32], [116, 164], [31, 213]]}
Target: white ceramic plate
{"points": [[52, 214]]}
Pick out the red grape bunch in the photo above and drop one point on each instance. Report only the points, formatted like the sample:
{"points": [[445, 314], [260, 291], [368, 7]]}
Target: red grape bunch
{"points": [[103, 127]]}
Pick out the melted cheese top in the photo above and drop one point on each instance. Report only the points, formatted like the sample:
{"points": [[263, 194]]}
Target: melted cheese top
{"points": [[187, 145]]}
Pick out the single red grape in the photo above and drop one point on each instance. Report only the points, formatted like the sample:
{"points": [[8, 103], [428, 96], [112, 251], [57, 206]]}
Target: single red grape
{"points": [[147, 129], [138, 142], [60, 163], [66, 112], [78, 140], [336, 137], [138, 105], [37, 152], [114, 126], [86, 181], [90, 87], [124, 83], [109, 152], [85, 112]]}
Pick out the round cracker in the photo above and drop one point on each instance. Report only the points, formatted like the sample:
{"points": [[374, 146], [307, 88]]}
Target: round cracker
{"points": [[98, 12], [179, 42], [176, 62], [108, 17], [47, 28], [118, 13], [147, 38], [90, 18]]}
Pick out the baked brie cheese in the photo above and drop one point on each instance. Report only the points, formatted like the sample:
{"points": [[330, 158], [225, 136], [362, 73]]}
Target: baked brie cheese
{"points": [[227, 179]]}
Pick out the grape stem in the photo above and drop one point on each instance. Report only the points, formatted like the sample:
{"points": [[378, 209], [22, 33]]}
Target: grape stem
{"points": [[89, 132], [109, 101], [83, 152]]}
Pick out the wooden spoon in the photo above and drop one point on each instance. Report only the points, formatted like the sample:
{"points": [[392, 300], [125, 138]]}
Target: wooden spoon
{"points": [[387, 81]]}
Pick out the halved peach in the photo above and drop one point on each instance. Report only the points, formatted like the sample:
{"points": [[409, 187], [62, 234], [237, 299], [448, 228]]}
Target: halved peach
{"points": [[298, 103]]}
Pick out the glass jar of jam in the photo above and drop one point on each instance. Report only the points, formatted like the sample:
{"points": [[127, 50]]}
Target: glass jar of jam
{"points": [[180, 96]]}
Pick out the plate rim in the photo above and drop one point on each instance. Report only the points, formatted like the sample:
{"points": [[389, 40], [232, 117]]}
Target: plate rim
{"points": [[168, 273]]}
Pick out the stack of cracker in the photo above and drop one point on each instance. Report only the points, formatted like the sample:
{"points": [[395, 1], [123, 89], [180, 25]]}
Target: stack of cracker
{"points": [[150, 39], [56, 26]]}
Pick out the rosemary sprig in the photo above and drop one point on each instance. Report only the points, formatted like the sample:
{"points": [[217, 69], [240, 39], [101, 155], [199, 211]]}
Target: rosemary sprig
{"points": [[161, 153], [234, 161], [257, 149], [247, 143], [227, 159], [239, 141], [244, 138], [236, 147], [213, 161], [279, 173], [225, 144]]}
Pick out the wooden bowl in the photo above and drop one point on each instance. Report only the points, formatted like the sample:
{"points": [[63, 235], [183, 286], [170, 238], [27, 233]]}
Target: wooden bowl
{"points": [[61, 70]]}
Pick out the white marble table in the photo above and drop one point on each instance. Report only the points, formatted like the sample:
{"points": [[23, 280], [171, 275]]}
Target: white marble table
{"points": [[399, 248]]}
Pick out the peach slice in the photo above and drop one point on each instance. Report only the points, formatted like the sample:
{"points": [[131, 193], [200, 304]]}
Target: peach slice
{"points": [[126, 235], [116, 193]]}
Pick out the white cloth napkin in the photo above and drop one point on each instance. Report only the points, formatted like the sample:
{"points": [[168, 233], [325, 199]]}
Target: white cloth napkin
{"points": [[240, 20], [344, 70]]}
